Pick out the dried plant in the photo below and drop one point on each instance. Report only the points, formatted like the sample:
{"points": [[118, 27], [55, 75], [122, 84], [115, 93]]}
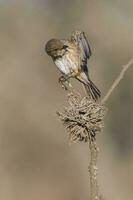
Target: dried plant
{"points": [[83, 120]]}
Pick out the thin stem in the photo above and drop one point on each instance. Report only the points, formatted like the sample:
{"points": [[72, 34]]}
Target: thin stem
{"points": [[117, 81], [94, 188]]}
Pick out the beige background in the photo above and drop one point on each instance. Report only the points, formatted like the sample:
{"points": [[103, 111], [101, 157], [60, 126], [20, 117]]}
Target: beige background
{"points": [[36, 161]]}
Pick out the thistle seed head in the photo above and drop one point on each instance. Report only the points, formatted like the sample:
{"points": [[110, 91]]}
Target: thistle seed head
{"points": [[83, 118]]}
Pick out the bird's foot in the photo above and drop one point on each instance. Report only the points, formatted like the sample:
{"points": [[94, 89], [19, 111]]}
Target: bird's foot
{"points": [[64, 83]]}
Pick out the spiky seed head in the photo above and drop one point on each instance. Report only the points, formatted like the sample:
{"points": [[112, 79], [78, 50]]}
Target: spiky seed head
{"points": [[83, 118]]}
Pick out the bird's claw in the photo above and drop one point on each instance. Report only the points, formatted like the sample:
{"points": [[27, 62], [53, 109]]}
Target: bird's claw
{"points": [[64, 82]]}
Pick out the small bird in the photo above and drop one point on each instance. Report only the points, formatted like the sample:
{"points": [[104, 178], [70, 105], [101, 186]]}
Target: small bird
{"points": [[71, 56]]}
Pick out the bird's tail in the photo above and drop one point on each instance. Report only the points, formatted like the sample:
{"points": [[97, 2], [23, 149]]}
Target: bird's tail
{"points": [[92, 90], [90, 87]]}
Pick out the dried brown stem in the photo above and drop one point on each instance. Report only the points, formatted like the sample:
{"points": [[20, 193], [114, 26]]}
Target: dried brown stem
{"points": [[94, 189], [93, 171], [117, 81], [83, 120]]}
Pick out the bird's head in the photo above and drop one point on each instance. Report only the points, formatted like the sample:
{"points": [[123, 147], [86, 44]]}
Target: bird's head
{"points": [[55, 48]]}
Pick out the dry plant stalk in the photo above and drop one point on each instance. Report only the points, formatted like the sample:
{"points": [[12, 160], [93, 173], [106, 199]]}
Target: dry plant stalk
{"points": [[83, 120], [93, 171], [117, 81]]}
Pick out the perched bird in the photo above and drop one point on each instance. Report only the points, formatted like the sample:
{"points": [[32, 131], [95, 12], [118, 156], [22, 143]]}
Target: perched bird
{"points": [[71, 56]]}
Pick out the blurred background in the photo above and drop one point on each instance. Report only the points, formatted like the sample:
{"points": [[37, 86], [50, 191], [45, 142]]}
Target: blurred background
{"points": [[36, 161]]}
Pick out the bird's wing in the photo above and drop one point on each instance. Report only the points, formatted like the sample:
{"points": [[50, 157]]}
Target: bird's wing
{"points": [[84, 45], [80, 39]]}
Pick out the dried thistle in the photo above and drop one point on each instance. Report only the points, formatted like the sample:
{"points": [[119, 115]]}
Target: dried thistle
{"points": [[83, 118]]}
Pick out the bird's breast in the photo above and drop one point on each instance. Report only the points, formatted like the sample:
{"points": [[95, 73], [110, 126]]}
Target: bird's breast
{"points": [[67, 63]]}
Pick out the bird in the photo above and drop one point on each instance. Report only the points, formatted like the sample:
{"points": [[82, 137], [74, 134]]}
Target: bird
{"points": [[71, 57]]}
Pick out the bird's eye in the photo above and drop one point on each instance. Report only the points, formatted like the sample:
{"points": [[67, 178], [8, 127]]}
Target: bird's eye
{"points": [[65, 46]]}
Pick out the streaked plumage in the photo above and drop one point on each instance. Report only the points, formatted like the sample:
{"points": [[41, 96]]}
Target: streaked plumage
{"points": [[71, 56]]}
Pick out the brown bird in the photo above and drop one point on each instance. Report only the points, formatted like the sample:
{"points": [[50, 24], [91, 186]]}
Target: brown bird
{"points": [[71, 56]]}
